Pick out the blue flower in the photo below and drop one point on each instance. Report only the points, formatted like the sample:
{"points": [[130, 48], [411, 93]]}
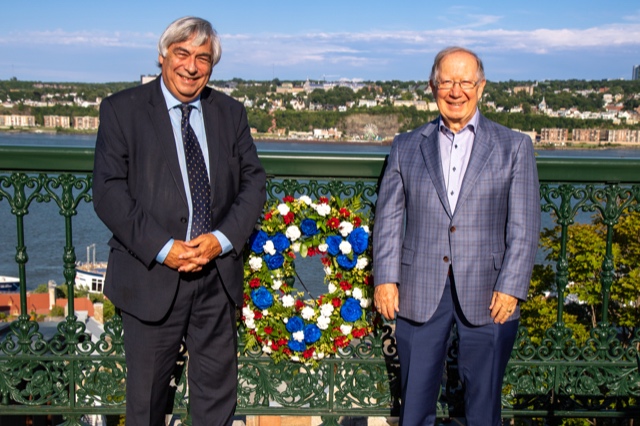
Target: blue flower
{"points": [[295, 324], [334, 244], [297, 346], [274, 262], [346, 263], [351, 310], [359, 240], [280, 242], [257, 240], [309, 227], [262, 298], [312, 334]]}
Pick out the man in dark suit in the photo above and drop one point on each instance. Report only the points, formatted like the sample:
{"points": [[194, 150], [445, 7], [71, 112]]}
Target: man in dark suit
{"points": [[455, 237], [178, 181]]}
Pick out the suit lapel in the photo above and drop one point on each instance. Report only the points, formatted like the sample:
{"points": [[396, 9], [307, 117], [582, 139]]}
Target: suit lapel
{"points": [[482, 148], [164, 136], [211, 116], [431, 154]]}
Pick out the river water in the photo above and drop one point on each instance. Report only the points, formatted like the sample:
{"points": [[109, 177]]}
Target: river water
{"points": [[44, 226]]}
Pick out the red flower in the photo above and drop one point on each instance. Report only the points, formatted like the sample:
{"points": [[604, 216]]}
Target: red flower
{"points": [[299, 304], [308, 353], [257, 315], [311, 251], [286, 351], [275, 346], [359, 332], [324, 200], [291, 255], [367, 280], [288, 199], [333, 223], [268, 330], [326, 261], [344, 285], [341, 341], [339, 275], [357, 221], [254, 283], [320, 299], [267, 215], [282, 342], [246, 297], [336, 302], [344, 212], [288, 218]]}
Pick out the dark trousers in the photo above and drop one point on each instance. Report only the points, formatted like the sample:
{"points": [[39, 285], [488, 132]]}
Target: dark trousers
{"points": [[482, 359], [203, 317]]}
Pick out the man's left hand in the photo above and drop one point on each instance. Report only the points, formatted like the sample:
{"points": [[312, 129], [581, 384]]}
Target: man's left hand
{"points": [[204, 249], [502, 307]]}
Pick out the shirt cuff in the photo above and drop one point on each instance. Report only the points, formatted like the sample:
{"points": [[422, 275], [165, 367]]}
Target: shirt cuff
{"points": [[162, 255], [225, 244]]}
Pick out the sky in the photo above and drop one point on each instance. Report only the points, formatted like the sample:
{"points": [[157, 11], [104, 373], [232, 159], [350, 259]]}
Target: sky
{"points": [[116, 40]]}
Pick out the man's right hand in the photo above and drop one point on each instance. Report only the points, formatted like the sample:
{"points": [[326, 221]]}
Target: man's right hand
{"points": [[173, 260], [386, 300]]}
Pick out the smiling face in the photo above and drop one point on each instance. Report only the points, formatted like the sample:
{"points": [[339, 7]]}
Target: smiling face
{"points": [[456, 105], [186, 69]]}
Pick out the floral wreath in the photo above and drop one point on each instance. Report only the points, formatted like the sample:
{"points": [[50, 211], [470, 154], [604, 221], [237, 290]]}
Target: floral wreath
{"points": [[276, 317]]}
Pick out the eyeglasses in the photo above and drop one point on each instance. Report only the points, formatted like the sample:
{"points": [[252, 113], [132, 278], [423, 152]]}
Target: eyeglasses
{"points": [[464, 84]]}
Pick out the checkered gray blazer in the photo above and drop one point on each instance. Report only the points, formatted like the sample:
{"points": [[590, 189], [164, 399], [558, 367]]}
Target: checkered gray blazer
{"points": [[491, 239]]}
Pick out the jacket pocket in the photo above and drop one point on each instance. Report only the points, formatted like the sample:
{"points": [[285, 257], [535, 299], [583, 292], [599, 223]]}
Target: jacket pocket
{"points": [[407, 256]]}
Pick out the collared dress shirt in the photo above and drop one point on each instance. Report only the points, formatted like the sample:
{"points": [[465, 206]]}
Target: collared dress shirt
{"points": [[197, 123], [455, 150]]}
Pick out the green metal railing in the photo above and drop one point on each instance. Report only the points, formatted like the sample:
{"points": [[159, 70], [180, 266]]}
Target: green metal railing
{"points": [[556, 376]]}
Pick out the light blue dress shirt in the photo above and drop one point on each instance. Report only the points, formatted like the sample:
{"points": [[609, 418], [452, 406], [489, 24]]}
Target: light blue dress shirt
{"points": [[455, 150], [197, 123]]}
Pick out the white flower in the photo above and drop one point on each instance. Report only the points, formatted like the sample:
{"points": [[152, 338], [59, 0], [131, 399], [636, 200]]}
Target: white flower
{"points": [[265, 312], [269, 248], [320, 355], [323, 209], [331, 287], [276, 284], [305, 199], [283, 209], [348, 292], [247, 312], [366, 229], [295, 358], [298, 336], [326, 310], [345, 228], [323, 322], [345, 247], [285, 320], [357, 293], [364, 303], [345, 329], [293, 233], [250, 323], [327, 270], [287, 301], [296, 247], [323, 247], [266, 349], [255, 263], [307, 312], [362, 263]]}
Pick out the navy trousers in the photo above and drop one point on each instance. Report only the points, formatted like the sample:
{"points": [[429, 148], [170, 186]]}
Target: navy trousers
{"points": [[482, 359], [203, 318]]}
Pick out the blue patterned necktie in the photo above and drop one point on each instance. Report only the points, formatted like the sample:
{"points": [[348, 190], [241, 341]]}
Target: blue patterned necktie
{"points": [[198, 177]]}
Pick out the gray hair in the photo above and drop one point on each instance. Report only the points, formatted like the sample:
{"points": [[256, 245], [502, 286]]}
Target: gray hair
{"points": [[183, 29], [435, 69]]}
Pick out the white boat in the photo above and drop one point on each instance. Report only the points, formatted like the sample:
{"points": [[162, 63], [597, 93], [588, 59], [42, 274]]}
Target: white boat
{"points": [[90, 274], [9, 284]]}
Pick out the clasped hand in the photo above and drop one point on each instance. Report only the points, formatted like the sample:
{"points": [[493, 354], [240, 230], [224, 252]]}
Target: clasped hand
{"points": [[192, 256]]}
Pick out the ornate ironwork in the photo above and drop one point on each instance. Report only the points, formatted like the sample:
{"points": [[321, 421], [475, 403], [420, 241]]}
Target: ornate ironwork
{"points": [[72, 374]]}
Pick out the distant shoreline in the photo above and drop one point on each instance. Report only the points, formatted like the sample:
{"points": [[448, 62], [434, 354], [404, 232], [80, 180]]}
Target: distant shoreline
{"points": [[275, 139]]}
